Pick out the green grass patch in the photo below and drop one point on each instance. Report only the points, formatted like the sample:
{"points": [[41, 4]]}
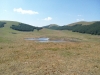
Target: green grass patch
{"points": [[4, 40], [67, 53]]}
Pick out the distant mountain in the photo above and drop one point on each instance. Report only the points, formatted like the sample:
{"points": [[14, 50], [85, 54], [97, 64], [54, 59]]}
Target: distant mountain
{"points": [[51, 26], [81, 27], [8, 25], [83, 23]]}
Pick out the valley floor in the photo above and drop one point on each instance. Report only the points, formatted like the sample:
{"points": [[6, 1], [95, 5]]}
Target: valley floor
{"points": [[23, 57]]}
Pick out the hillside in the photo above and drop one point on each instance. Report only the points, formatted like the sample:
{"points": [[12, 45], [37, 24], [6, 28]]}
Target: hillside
{"points": [[51, 26], [81, 27], [83, 23], [13, 25], [8, 34]]}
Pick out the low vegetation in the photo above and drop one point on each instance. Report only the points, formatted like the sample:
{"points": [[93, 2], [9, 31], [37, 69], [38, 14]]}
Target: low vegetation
{"points": [[79, 55], [31, 58]]}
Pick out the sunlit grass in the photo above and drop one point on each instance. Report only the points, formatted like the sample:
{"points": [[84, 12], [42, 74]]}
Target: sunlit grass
{"points": [[28, 57], [23, 57]]}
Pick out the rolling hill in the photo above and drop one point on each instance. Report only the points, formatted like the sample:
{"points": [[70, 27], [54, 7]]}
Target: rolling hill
{"points": [[83, 23], [81, 27], [7, 31], [9, 25], [7, 34], [51, 26]]}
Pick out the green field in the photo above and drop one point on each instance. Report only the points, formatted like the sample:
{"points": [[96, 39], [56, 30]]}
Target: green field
{"points": [[79, 55]]}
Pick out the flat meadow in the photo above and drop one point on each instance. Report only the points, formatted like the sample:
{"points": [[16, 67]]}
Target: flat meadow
{"points": [[23, 57]]}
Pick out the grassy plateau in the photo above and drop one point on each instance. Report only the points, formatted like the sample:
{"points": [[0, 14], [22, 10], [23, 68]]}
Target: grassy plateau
{"points": [[79, 55]]}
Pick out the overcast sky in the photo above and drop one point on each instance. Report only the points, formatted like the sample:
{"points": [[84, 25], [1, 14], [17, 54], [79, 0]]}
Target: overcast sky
{"points": [[45, 12]]}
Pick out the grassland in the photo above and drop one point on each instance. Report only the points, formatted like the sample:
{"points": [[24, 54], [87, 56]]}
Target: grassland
{"points": [[23, 57], [83, 23]]}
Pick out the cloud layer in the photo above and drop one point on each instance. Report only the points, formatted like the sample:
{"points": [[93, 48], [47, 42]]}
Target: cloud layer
{"points": [[48, 19], [20, 10]]}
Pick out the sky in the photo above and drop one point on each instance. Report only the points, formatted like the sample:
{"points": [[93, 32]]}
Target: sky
{"points": [[44, 12]]}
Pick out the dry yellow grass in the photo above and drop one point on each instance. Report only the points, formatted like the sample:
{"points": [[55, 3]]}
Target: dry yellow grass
{"points": [[23, 57], [32, 58]]}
